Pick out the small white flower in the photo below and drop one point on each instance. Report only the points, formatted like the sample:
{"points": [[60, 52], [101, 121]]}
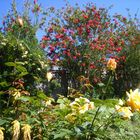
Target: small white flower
{"points": [[39, 69], [49, 76], [26, 52], [120, 102]]}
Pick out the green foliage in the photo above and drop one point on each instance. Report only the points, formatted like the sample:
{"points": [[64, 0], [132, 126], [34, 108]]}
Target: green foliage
{"points": [[18, 61], [101, 123], [128, 72]]}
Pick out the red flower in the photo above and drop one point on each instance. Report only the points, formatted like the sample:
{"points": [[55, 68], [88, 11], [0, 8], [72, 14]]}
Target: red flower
{"points": [[52, 49], [83, 64], [92, 66], [118, 49], [45, 38], [74, 57], [59, 36], [85, 16]]}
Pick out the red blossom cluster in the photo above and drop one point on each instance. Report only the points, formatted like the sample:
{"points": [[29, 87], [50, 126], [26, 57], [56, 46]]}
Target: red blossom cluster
{"points": [[85, 39], [82, 39]]}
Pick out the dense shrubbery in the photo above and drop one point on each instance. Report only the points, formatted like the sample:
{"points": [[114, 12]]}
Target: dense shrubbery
{"points": [[98, 54]]}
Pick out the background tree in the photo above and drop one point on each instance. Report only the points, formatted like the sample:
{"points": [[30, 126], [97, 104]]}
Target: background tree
{"points": [[82, 40]]}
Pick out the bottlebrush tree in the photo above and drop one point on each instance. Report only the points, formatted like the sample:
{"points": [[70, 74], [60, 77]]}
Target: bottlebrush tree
{"points": [[81, 40]]}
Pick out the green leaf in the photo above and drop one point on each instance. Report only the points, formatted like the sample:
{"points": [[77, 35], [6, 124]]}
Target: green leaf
{"points": [[60, 101], [4, 84], [24, 98], [19, 63], [101, 84], [10, 64], [2, 92], [22, 74], [21, 68], [2, 122], [41, 95], [62, 134]]}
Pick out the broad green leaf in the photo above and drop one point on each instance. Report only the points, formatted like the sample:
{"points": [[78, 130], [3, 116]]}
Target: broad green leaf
{"points": [[41, 95], [2, 92], [60, 101], [24, 98], [2, 122], [101, 84], [60, 135], [10, 64], [4, 84], [20, 63], [21, 68], [22, 74], [63, 133]]}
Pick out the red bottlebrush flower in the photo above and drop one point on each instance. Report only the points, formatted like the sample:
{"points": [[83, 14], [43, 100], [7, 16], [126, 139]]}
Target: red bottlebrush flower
{"points": [[80, 30], [52, 49], [64, 52], [118, 49], [83, 64], [85, 16], [74, 57], [50, 30], [68, 54], [123, 58], [96, 39], [92, 66], [64, 30], [88, 31], [45, 38], [122, 42], [124, 18], [78, 54], [58, 36], [107, 23], [76, 20], [64, 46], [90, 23]]}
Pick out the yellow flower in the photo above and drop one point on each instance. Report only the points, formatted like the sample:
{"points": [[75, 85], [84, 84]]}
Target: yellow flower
{"points": [[71, 117], [26, 132], [111, 64], [16, 93], [91, 106], [49, 101], [83, 109], [125, 112], [49, 76], [81, 105], [16, 130], [1, 133], [134, 99]]}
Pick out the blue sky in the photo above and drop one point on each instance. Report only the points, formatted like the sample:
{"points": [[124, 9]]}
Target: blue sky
{"points": [[119, 6]]}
